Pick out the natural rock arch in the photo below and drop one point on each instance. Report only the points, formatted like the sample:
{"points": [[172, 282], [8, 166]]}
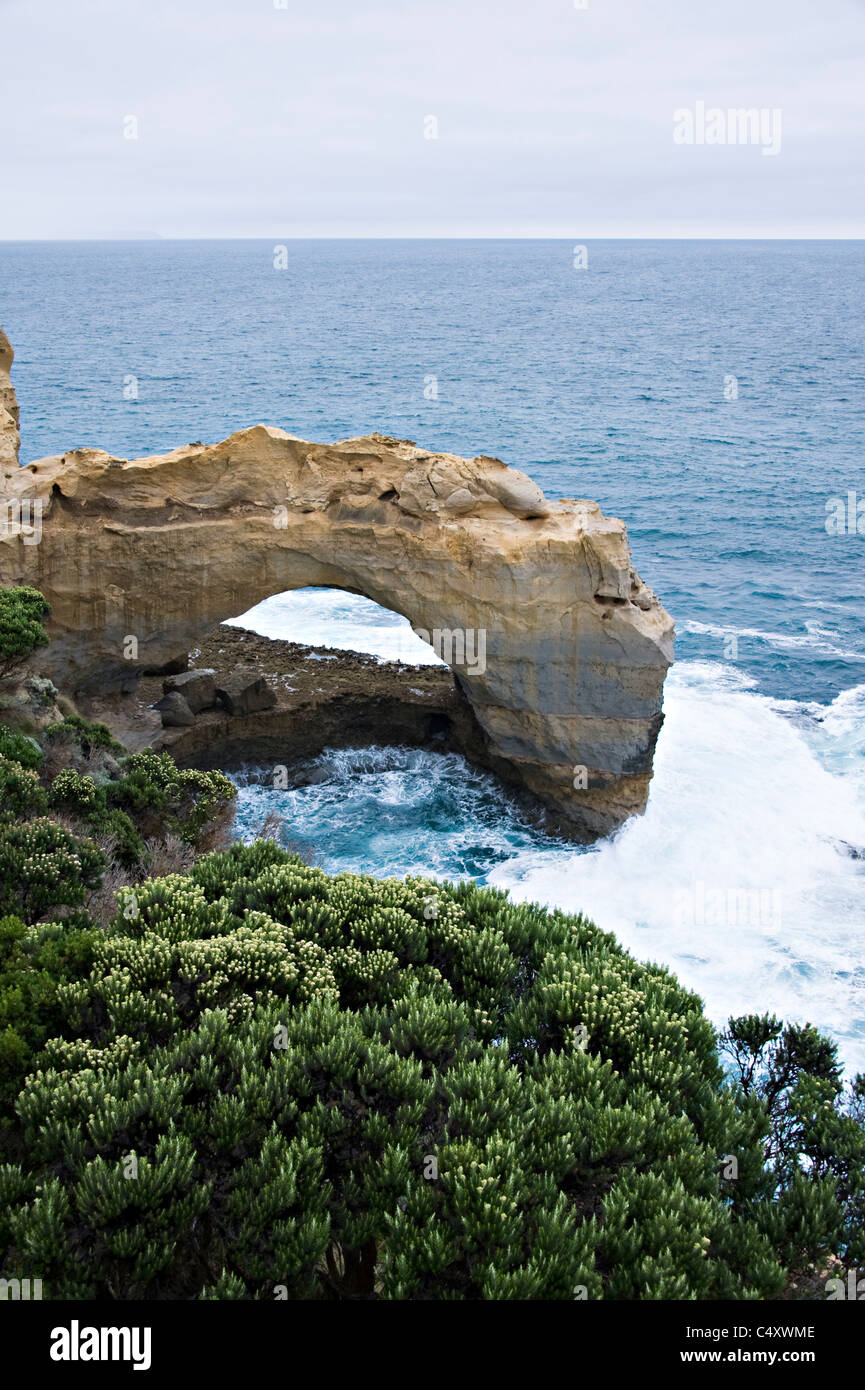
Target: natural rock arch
{"points": [[566, 648]]}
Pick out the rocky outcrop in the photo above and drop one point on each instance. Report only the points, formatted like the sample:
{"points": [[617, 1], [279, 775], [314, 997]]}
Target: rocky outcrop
{"points": [[557, 644], [9, 438], [337, 699]]}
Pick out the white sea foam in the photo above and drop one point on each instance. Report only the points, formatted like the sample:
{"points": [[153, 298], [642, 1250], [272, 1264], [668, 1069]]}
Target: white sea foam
{"points": [[740, 804], [333, 618], [815, 638]]}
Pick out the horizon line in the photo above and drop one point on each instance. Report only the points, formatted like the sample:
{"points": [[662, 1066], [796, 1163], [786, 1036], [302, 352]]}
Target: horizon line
{"points": [[142, 240]]}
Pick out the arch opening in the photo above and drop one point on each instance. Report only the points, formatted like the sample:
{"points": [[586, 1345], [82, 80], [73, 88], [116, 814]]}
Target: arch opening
{"points": [[339, 619], [372, 757], [303, 673]]}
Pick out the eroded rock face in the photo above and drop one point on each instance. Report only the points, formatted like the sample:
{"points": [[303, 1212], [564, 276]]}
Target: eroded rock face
{"points": [[9, 439], [557, 643]]}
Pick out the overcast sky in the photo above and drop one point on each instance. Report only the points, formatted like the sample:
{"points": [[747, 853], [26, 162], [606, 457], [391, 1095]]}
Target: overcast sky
{"points": [[310, 120]]}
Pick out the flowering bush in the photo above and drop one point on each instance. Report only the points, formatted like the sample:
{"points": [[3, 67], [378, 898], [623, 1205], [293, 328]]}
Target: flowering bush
{"points": [[160, 796], [279, 1083], [70, 791], [43, 866], [262, 1081], [20, 790]]}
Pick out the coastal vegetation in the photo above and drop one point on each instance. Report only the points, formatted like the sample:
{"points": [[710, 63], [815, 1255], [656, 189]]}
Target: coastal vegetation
{"points": [[22, 613], [226, 1074]]}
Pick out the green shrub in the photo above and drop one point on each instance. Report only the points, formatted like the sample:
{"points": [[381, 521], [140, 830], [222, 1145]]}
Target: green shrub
{"points": [[341, 1087], [22, 613], [151, 797], [126, 845], [87, 735], [815, 1142], [20, 790], [76, 793], [43, 866], [35, 964], [160, 796], [20, 748]]}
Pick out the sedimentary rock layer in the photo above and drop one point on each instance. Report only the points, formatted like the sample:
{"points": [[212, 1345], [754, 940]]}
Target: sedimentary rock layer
{"points": [[9, 440], [556, 642]]}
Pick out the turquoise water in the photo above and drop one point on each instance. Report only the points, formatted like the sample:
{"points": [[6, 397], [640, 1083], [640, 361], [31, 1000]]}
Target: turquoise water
{"points": [[753, 796], [606, 383]]}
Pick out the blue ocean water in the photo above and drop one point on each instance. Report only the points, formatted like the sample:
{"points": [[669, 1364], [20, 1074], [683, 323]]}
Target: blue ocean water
{"points": [[710, 393]]}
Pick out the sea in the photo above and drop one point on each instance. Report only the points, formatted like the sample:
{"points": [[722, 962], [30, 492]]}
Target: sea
{"points": [[710, 393]]}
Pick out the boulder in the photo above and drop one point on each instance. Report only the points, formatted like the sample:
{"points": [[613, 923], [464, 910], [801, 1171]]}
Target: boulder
{"points": [[244, 693], [174, 711], [518, 493], [198, 688]]}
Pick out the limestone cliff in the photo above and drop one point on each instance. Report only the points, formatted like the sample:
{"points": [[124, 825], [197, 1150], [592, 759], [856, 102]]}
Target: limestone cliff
{"points": [[9, 441], [558, 645]]}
